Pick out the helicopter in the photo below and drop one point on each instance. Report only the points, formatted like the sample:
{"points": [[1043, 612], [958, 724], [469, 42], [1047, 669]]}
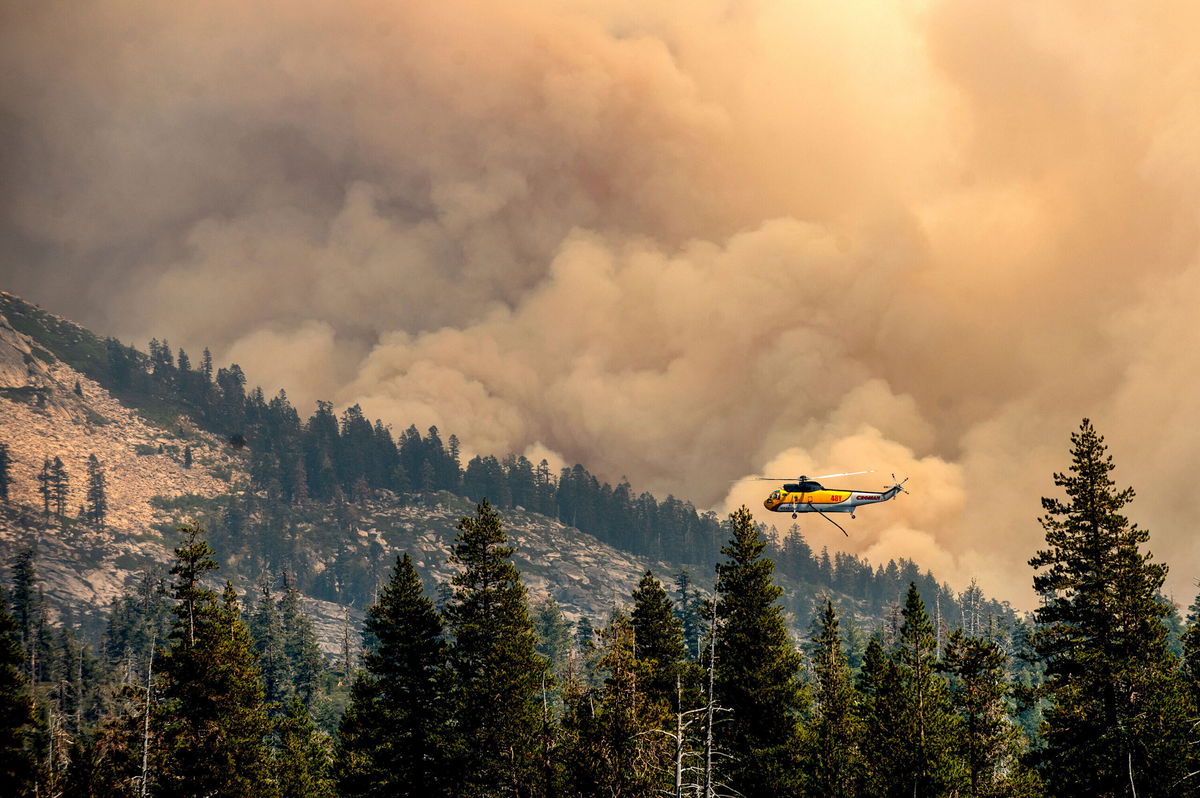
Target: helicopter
{"points": [[806, 495]]}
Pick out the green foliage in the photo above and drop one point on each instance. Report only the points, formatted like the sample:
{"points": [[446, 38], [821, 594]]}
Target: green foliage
{"points": [[5, 472], [395, 735], [610, 746], [211, 724], [16, 716], [303, 756], [758, 668], [1117, 717], [500, 678], [97, 494], [553, 632], [930, 724], [660, 647], [988, 743], [833, 757]]}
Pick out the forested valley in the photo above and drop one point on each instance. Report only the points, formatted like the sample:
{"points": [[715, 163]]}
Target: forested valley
{"points": [[751, 666]]}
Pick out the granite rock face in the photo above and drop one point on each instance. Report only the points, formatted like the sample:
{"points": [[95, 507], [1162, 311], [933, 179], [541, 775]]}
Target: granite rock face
{"points": [[44, 415]]}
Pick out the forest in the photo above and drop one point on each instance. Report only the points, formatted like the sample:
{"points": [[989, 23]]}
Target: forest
{"points": [[473, 692]]}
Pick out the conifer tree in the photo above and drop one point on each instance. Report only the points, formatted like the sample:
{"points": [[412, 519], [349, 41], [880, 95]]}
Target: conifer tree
{"points": [[395, 733], [928, 722], [303, 758], [16, 711], [1190, 639], [833, 756], [611, 750], [211, 726], [267, 632], [988, 741], [658, 636], [60, 487], [499, 674], [882, 711], [5, 472], [97, 499], [45, 489], [1117, 718], [758, 670], [553, 633], [305, 661], [688, 610]]}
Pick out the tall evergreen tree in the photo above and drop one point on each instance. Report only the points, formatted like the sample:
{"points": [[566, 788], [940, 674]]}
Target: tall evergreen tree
{"points": [[305, 661], [758, 668], [16, 710], [267, 631], [882, 711], [833, 755], [303, 758], [211, 725], [929, 723], [500, 676], [60, 487], [658, 636], [97, 498], [988, 741], [5, 471], [689, 611], [1117, 719], [611, 750], [395, 733], [45, 481], [553, 633]]}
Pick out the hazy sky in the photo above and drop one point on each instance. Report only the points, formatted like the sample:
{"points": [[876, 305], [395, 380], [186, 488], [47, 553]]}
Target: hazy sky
{"points": [[681, 241]]}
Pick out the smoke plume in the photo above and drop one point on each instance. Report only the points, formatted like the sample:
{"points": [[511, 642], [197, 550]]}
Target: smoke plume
{"points": [[682, 242]]}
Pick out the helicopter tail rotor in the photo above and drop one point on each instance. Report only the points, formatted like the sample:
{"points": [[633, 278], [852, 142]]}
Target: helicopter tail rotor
{"points": [[899, 484]]}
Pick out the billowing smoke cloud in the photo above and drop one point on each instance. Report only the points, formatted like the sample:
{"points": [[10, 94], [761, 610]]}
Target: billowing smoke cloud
{"points": [[679, 242]]}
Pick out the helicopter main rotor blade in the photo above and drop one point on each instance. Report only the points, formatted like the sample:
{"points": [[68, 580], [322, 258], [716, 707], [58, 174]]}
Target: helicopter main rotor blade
{"points": [[792, 479], [764, 479]]}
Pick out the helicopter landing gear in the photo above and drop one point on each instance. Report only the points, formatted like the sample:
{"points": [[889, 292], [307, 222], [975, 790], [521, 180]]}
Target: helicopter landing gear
{"points": [[793, 515]]}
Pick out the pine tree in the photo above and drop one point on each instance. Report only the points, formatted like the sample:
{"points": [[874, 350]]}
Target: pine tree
{"points": [[611, 750], [303, 757], [45, 480], [928, 722], [688, 610], [395, 733], [758, 671], [305, 661], [187, 456], [882, 710], [988, 740], [1117, 718], [499, 675], [833, 757], [658, 635], [211, 726], [60, 487], [267, 631], [97, 500], [5, 472], [16, 712], [553, 633]]}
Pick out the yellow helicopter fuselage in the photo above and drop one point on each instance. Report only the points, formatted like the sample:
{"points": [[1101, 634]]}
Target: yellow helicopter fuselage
{"points": [[812, 498]]}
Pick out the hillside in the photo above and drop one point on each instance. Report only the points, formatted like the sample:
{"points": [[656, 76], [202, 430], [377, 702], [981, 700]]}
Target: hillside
{"points": [[149, 491], [330, 502]]}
